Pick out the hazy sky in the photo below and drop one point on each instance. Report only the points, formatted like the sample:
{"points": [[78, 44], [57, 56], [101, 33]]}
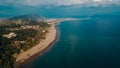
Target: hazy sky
{"points": [[59, 2]]}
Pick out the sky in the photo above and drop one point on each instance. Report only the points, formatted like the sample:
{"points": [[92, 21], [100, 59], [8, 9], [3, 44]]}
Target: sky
{"points": [[35, 3]]}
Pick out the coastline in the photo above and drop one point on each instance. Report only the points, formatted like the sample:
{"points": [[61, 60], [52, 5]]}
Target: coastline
{"points": [[40, 48], [26, 57]]}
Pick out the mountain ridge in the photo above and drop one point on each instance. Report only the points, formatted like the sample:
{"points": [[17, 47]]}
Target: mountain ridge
{"points": [[27, 17]]}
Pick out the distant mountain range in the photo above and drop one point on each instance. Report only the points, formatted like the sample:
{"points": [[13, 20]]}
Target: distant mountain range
{"points": [[23, 20], [28, 17]]}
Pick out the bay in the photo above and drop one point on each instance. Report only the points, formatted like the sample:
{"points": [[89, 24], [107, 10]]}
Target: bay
{"points": [[93, 43]]}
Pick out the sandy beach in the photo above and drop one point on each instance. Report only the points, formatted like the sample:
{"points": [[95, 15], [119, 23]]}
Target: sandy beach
{"points": [[39, 48], [50, 37]]}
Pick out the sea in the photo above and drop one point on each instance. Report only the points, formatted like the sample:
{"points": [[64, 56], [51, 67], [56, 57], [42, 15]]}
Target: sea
{"points": [[90, 43]]}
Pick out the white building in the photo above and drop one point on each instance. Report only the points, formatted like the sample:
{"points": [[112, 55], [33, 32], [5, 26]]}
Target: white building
{"points": [[10, 35]]}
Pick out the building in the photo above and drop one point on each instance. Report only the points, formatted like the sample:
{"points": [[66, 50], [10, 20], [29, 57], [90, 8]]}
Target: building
{"points": [[10, 35], [30, 27]]}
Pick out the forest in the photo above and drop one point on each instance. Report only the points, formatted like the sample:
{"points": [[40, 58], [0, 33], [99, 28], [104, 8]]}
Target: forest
{"points": [[25, 39]]}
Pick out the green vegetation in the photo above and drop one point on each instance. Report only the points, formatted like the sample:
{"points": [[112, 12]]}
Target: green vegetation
{"points": [[25, 39]]}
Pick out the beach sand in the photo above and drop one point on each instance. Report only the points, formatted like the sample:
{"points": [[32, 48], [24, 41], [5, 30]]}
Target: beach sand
{"points": [[50, 37]]}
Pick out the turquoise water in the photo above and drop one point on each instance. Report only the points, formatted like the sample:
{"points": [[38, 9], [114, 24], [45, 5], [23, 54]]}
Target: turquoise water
{"points": [[93, 43], [9, 11]]}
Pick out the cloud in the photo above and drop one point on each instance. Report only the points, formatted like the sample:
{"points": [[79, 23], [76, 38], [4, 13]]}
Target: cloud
{"points": [[60, 2]]}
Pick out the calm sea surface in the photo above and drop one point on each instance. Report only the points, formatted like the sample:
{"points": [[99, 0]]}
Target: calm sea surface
{"points": [[93, 43]]}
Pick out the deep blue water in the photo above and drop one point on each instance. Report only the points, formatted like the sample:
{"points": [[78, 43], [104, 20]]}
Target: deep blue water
{"points": [[93, 43]]}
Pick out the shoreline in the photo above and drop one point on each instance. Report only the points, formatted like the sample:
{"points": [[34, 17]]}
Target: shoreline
{"points": [[25, 57]]}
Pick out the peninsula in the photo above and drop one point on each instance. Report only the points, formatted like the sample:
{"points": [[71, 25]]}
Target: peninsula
{"points": [[50, 38], [25, 36]]}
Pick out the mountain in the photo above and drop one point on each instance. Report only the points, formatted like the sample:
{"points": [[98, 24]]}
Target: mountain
{"points": [[23, 20], [28, 17]]}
